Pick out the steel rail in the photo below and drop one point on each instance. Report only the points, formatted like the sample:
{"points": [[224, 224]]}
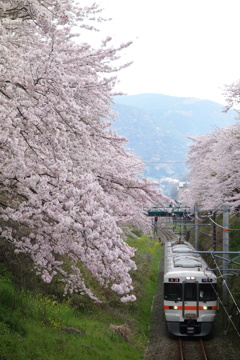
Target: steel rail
{"points": [[203, 350], [168, 233], [181, 349], [180, 345]]}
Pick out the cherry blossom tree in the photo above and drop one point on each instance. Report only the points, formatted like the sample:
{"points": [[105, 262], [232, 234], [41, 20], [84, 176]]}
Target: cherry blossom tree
{"points": [[214, 161], [232, 96], [68, 184], [197, 154]]}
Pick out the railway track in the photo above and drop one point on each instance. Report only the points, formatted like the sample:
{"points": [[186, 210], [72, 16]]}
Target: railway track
{"points": [[165, 346], [192, 349], [166, 233], [187, 349]]}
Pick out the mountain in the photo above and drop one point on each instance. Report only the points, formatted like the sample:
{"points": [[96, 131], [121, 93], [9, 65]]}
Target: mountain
{"points": [[157, 128]]}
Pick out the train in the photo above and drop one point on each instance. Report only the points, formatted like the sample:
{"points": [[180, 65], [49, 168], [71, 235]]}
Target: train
{"points": [[190, 291]]}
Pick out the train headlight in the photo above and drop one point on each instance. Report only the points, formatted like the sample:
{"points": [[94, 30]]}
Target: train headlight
{"points": [[175, 307], [207, 307]]}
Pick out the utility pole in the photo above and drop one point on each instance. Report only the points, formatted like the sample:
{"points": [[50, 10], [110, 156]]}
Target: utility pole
{"points": [[214, 232], [155, 224], [225, 249], [185, 230], [196, 226], [226, 257]]}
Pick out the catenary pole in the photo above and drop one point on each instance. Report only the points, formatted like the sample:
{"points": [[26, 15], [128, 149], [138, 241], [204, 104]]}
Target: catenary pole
{"points": [[214, 232], [196, 226], [226, 250]]}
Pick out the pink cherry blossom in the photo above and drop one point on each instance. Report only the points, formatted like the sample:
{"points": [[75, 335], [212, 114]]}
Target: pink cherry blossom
{"points": [[69, 186], [214, 170]]}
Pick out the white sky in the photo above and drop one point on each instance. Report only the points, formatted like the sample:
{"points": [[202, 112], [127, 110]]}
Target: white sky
{"points": [[181, 47]]}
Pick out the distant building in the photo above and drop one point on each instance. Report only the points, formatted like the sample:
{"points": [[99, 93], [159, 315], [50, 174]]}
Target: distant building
{"points": [[182, 185]]}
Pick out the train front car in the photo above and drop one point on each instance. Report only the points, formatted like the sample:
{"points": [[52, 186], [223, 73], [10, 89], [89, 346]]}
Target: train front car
{"points": [[190, 300]]}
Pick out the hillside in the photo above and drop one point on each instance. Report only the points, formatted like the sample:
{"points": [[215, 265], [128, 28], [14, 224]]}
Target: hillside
{"points": [[157, 128], [37, 323]]}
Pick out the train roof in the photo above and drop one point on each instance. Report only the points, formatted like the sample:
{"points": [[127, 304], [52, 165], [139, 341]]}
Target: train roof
{"points": [[186, 261], [181, 258]]}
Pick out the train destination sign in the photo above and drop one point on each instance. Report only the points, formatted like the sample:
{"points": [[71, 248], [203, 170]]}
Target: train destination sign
{"points": [[173, 280]]}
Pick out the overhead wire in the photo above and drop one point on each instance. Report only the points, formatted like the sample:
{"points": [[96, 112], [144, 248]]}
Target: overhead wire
{"points": [[229, 317], [224, 307], [222, 227]]}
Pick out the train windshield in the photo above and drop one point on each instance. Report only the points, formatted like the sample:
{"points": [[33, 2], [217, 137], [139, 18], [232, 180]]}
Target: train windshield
{"points": [[190, 291], [173, 292], [207, 292]]}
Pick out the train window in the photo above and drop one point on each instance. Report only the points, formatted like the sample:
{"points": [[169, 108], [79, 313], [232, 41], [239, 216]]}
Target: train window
{"points": [[172, 292], [207, 293], [190, 291]]}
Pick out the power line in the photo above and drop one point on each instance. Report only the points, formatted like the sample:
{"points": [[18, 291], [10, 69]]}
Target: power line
{"points": [[222, 227], [229, 317]]}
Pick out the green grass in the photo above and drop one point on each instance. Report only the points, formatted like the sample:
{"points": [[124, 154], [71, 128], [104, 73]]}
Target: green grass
{"points": [[37, 326]]}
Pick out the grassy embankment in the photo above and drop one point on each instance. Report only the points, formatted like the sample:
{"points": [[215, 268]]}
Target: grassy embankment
{"points": [[39, 326]]}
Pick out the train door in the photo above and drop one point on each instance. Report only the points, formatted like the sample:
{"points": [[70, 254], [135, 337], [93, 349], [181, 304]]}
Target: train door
{"points": [[190, 308]]}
